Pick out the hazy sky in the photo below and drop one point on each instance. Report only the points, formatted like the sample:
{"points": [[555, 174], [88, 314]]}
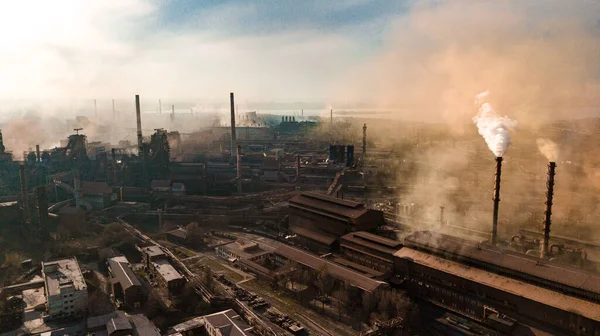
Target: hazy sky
{"points": [[263, 50], [432, 54]]}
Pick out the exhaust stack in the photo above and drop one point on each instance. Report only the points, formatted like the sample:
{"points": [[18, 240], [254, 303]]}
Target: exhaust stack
{"points": [[548, 213], [232, 107], [24, 193], [38, 156], [138, 115], [496, 200], [364, 143], [239, 169]]}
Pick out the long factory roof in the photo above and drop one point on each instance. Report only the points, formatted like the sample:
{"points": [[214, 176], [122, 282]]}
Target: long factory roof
{"points": [[372, 241], [470, 251], [548, 297], [316, 263], [342, 209]]}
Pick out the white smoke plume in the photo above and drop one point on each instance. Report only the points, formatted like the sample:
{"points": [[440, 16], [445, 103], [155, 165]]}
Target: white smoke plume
{"points": [[492, 127], [548, 148]]}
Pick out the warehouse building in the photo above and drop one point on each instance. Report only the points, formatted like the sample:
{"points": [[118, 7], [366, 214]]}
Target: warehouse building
{"points": [[319, 220], [273, 265], [370, 250], [227, 323], [161, 270], [126, 287], [65, 287], [502, 289]]}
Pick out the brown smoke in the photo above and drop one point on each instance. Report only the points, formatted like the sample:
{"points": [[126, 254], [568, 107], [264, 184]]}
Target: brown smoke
{"points": [[538, 59]]}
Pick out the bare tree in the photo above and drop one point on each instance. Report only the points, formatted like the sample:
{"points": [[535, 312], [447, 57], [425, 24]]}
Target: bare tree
{"points": [[342, 299]]}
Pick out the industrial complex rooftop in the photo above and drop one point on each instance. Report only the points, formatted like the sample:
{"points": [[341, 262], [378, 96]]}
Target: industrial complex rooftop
{"points": [[551, 298], [506, 261], [166, 270], [122, 272], [60, 273], [335, 270]]}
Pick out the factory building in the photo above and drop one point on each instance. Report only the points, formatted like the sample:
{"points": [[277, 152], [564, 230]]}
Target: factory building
{"points": [[98, 195], [161, 270], [271, 168], [126, 287], [273, 264], [227, 323], [241, 249], [65, 287], [501, 289], [319, 220], [370, 250]]}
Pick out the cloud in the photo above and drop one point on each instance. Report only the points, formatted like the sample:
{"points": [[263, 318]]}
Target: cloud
{"points": [[69, 49]]}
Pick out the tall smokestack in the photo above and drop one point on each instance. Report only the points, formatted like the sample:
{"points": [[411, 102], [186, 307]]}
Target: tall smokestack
{"points": [[38, 156], [159, 107], [232, 107], [24, 193], [172, 112], [548, 213], [239, 169], [364, 143], [496, 200], [138, 115], [113, 109], [95, 109], [331, 116]]}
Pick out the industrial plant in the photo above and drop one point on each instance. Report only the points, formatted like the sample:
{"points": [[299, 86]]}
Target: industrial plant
{"points": [[302, 226]]}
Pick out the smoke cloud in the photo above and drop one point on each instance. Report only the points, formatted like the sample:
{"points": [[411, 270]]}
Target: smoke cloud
{"points": [[548, 148], [539, 59], [492, 127]]}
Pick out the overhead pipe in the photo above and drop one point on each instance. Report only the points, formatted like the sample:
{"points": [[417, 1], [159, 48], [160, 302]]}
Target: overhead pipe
{"points": [[548, 212], [496, 200]]}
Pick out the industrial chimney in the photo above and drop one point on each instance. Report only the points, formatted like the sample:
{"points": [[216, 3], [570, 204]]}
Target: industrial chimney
{"points": [[548, 213], [232, 107], [138, 115], [496, 200], [364, 144], [38, 156], [24, 193], [239, 169]]}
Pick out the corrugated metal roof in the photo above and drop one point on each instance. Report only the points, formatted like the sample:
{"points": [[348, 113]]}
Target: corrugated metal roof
{"points": [[335, 270], [122, 272], [321, 237], [372, 241], [343, 209], [548, 297], [470, 251]]}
